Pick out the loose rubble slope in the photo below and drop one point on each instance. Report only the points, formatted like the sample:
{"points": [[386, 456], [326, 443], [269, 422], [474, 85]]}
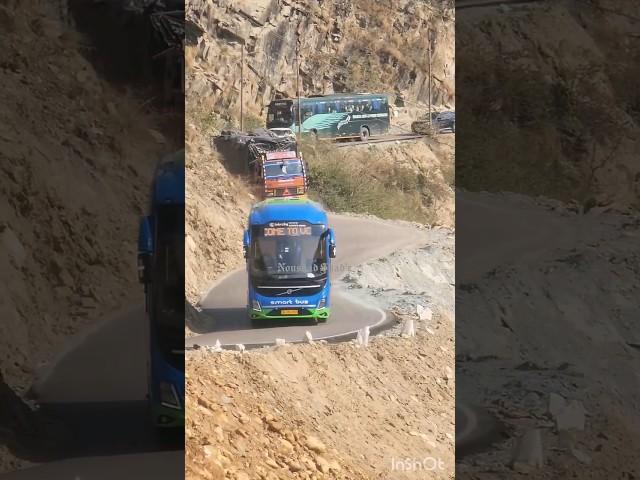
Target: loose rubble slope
{"points": [[548, 105], [344, 46], [323, 411], [560, 322], [76, 159]]}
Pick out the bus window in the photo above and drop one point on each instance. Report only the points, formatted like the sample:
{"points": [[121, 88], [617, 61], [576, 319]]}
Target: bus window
{"points": [[321, 107], [376, 106], [307, 112]]}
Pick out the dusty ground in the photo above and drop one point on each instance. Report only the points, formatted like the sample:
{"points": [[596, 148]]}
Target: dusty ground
{"points": [[548, 104], [76, 158], [252, 415], [217, 207], [71, 247], [345, 46], [561, 321], [424, 276]]}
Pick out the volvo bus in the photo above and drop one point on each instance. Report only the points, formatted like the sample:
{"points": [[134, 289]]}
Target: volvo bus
{"points": [[333, 116], [161, 271], [288, 246]]}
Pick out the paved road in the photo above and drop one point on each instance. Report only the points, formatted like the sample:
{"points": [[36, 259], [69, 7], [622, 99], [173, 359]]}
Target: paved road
{"points": [[462, 4], [157, 466], [490, 233], [392, 138], [93, 400], [358, 240]]}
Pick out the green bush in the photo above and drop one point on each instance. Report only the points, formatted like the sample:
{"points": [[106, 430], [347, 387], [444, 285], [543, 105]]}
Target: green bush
{"points": [[356, 181]]}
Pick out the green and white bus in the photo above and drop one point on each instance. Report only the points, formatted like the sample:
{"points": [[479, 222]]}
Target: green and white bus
{"points": [[357, 115]]}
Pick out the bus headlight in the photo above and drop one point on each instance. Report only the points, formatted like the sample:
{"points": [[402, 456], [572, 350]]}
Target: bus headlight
{"points": [[322, 303], [256, 305], [169, 396]]}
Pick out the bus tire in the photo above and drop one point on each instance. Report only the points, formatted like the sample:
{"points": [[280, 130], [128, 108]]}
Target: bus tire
{"points": [[364, 134], [258, 323]]}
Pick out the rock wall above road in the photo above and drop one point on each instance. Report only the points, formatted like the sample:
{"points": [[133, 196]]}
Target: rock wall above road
{"points": [[344, 46]]}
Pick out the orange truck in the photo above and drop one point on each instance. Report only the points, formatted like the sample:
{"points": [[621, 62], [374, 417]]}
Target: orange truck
{"points": [[283, 174]]}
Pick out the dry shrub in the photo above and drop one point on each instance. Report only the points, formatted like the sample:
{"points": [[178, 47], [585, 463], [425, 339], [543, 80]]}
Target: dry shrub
{"points": [[364, 181]]}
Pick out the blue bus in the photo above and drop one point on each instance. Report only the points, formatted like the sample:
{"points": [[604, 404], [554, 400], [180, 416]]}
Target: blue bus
{"points": [[344, 115], [288, 246], [161, 271]]}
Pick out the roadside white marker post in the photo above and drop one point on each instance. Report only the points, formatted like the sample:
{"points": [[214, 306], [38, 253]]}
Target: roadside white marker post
{"points": [[424, 313], [408, 328], [280, 341], [308, 337], [365, 336], [217, 347], [240, 347]]}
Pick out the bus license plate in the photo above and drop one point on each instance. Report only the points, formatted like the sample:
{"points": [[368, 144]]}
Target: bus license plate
{"points": [[289, 312]]}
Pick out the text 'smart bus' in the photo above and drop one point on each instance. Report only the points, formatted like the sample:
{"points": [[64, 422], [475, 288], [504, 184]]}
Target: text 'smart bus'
{"points": [[161, 271], [288, 246], [333, 116]]}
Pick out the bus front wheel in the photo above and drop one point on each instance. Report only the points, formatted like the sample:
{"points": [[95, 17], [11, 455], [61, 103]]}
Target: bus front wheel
{"points": [[364, 134]]}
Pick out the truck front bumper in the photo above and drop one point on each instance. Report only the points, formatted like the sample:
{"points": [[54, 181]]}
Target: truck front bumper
{"points": [[267, 314], [165, 417]]}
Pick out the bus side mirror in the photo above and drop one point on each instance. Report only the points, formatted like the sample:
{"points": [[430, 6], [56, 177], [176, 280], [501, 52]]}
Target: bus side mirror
{"points": [[145, 249], [332, 244], [245, 244]]}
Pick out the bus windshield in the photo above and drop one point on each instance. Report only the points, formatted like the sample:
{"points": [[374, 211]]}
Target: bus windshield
{"points": [[291, 167], [291, 250], [279, 115], [168, 281]]}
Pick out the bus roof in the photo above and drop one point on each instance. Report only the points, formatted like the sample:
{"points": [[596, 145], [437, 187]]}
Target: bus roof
{"points": [[168, 184], [334, 96], [287, 209]]}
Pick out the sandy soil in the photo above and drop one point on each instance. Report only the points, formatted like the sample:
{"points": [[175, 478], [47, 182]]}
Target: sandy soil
{"points": [[562, 320], [75, 167], [324, 411], [251, 414]]}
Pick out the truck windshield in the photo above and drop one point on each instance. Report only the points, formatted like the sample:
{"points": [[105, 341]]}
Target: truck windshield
{"points": [[279, 115], [275, 169], [291, 251], [168, 282]]}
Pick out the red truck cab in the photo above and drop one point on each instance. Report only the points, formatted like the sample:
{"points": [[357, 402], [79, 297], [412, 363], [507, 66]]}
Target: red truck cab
{"points": [[283, 174]]}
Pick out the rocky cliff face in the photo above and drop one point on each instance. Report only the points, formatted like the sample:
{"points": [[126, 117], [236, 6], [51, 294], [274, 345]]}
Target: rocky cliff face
{"points": [[556, 82], [344, 46]]}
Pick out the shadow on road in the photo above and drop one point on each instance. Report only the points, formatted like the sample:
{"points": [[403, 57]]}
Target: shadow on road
{"points": [[68, 430], [234, 155], [232, 319], [476, 430]]}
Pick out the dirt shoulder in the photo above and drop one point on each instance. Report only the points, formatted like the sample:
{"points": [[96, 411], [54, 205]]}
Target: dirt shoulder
{"points": [[382, 411], [324, 411], [560, 321]]}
